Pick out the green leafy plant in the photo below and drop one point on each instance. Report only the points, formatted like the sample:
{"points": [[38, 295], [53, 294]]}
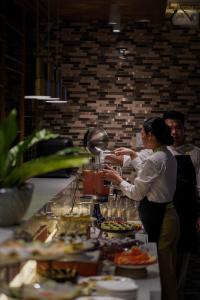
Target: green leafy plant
{"points": [[13, 171]]}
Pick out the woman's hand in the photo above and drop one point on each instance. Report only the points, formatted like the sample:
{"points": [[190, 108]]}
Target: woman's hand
{"points": [[111, 175], [117, 157], [125, 151]]}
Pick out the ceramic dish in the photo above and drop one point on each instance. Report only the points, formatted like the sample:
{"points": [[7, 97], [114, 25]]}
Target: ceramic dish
{"points": [[98, 298], [48, 290], [136, 256], [93, 280], [139, 266], [117, 227]]}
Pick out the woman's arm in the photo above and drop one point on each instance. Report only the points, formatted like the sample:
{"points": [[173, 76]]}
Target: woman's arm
{"points": [[142, 183]]}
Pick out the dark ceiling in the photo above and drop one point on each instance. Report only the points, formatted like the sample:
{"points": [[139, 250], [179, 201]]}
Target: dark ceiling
{"points": [[92, 10], [99, 10]]}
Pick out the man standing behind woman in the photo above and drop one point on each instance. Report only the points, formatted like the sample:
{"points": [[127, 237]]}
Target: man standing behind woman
{"points": [[187, 190], [154, 187]]}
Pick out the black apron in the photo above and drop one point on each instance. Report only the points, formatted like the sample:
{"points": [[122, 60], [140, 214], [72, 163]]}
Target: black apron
{"points": [[185, 202], [152, 214]]}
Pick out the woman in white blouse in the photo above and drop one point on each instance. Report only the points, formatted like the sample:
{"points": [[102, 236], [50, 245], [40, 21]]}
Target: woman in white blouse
{"points": [[154, 188]]}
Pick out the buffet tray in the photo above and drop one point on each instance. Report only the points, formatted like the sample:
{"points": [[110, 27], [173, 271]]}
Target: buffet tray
{"points": [[85, 265]]}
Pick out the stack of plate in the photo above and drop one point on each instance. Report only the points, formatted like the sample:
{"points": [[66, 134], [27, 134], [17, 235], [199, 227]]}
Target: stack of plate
{"points": [[98, 298], [124, 288]]}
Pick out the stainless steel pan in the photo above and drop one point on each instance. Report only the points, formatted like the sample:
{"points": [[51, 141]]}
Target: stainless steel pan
{"points": [[96, 140]]}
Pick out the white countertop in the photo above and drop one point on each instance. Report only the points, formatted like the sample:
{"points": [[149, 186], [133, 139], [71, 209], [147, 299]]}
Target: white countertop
{"points": [[149, 288], [45, 189]]}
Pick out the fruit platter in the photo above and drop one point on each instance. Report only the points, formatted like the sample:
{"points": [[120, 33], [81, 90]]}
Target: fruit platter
{"points": [[134, 258]]}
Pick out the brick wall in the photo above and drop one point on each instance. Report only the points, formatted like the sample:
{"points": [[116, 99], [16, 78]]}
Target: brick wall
{"points": [[117, 80]]}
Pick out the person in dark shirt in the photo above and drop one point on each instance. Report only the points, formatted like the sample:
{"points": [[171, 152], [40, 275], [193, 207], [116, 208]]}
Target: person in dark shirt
{"points": [[187, 190]]}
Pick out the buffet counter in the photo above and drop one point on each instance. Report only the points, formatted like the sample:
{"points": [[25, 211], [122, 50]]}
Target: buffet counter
{"points": [[59, 191], [45, 190]]}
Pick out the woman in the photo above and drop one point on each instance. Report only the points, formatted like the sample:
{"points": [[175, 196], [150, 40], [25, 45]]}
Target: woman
{"points": [[154, 188]]}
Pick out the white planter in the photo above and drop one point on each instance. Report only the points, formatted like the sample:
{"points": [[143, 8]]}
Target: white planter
{"points": [[14, 203]]}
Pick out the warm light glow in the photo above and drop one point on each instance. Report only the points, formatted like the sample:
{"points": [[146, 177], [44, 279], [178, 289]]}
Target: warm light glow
{"points": [[37, 97], [116, 27], [56, 101]]}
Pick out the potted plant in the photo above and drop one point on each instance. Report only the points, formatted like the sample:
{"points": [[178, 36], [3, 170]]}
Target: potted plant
{"points": [[15, 192]]}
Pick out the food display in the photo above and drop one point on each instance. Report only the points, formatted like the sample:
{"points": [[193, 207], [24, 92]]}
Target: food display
{"points": [[114, 286], [58, 274], [137, 225], [88, 284], [47, 290], [117, 226], [77, 246], [16, 251], [11, 254], [74, 225], [77, 218], [135, 256], [110, 247]]}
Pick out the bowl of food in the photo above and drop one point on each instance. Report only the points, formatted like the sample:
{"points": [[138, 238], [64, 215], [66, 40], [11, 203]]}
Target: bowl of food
{"points": [[116, 228], [57, 274]]}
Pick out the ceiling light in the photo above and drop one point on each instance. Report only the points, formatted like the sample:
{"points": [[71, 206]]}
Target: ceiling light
{"points": [[143, 21], [116, 27], [37, 97], [54, 100]]}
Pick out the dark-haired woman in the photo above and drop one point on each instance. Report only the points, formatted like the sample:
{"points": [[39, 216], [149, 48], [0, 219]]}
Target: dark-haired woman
{"points": [[154, 188]]}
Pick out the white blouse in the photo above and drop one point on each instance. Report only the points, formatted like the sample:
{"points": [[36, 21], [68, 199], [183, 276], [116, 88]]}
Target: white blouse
{"points": [[137, 162], [156, 177]]}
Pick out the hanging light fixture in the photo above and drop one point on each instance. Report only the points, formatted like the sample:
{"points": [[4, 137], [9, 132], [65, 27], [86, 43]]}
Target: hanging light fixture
{"points": [[43, 85], [38, 83], [114, 17], [37, 97], [55, 100], [60, 91], [116, 27]]}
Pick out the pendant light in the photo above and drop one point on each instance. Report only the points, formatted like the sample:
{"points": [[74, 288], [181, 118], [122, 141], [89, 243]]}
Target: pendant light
{"points": [[38, 95], [60, 91], [114, 17], [38, 81]]}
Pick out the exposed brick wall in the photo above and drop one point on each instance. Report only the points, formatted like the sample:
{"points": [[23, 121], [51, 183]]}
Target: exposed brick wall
{"points": [[117, 80]]}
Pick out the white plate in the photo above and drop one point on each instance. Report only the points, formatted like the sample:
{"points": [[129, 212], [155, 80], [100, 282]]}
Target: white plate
{"points": [[46, 290], [120, 286], [133, 267], [104, 278], [98, 298], [112, 286], [85, 246]]}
